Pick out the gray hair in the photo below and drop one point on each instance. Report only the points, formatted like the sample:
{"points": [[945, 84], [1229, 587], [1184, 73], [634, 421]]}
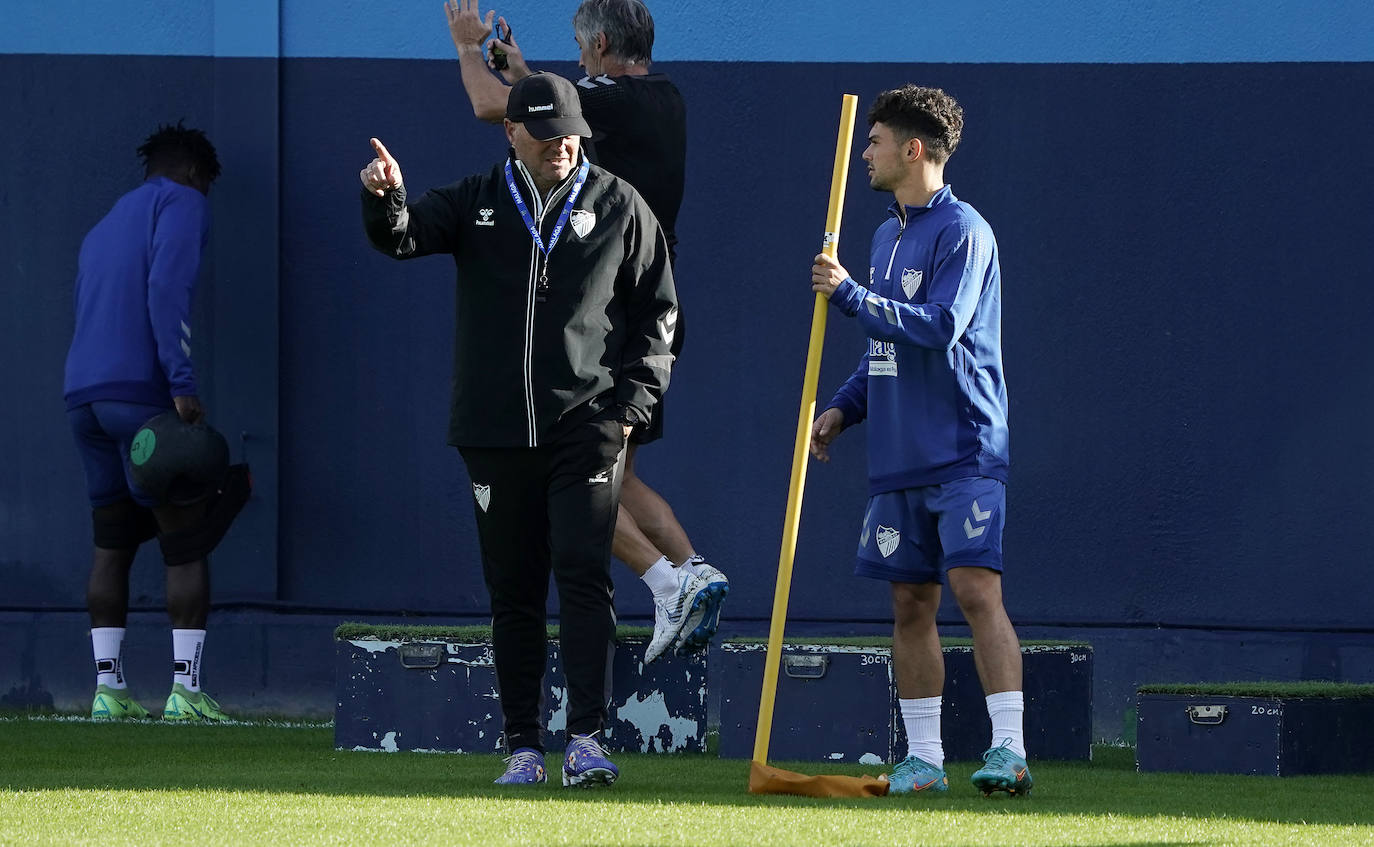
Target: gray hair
{"points": [[628, 26]]}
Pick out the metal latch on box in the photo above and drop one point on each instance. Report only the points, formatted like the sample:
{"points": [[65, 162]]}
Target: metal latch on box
{"points": [[1206, 715], [419, 655], [806, 666]]}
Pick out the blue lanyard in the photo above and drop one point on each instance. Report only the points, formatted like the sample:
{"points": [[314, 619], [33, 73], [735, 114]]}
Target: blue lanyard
{"points": [[562, 219]]}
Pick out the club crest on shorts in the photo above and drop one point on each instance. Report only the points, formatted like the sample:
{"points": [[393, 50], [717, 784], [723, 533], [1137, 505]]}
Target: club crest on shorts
{"points": [[911, 280], [483, 495], [888, 539], [582, 221]]}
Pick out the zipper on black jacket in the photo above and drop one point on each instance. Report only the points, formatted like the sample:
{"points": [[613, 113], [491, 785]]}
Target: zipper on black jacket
{"points": [[532, 292]]}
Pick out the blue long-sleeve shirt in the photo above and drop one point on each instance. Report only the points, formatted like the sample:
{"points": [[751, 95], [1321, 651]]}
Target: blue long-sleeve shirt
{"points": [[135, 280], [930, 383]]}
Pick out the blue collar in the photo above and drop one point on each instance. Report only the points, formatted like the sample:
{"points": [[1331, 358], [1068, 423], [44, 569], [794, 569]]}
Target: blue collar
{"points": [[943, 197]]}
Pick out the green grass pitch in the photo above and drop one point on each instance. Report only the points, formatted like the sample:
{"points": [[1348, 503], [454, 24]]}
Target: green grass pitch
{"points": [[70, 781]]}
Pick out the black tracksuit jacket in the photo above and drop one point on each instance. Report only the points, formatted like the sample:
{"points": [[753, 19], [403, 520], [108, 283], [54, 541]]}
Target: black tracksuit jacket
{"points": [[529, 361]]}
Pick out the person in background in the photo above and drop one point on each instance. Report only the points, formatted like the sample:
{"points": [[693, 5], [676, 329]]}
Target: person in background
{"points": [[129, 361]]}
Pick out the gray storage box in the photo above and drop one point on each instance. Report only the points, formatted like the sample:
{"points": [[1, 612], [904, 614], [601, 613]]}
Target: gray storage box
{"points": [[1057, 680], [438, 692], [839, 702], [834, 703], [1255, 728]]}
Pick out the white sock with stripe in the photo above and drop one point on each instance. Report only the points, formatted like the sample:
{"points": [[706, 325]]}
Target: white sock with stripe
{"points": [[187, 647], [107, 643]]}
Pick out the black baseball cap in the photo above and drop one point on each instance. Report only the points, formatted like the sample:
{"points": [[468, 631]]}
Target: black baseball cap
{"points": [[548, 106]]}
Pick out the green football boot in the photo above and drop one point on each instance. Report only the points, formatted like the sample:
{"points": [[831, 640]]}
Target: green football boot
{"points": [[1002, 770], [183, 705], [115, 704]]}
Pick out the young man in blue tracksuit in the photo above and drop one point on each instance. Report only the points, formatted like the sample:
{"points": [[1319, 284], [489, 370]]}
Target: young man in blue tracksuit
{"points": [[930, 385], [129, 361]]}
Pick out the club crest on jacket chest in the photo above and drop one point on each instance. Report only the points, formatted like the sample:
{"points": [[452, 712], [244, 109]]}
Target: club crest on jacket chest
{"points": [[582, 221], [911, 281]]}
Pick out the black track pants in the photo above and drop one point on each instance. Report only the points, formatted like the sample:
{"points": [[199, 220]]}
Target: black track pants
{"points": [[542, 509]]}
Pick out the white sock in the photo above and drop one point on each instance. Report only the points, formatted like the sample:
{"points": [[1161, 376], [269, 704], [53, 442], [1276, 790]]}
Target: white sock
{"points": [[187, 646], [661, 579], [107, 643], [690, 566], [1006, 708], [921, 717]]}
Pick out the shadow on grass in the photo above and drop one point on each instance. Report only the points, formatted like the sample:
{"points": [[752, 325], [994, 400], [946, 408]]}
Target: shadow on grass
{"points": [[150, 756]]}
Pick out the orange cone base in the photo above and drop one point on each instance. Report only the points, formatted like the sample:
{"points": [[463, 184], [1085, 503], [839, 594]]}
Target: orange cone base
{"points": [[765, 779]]}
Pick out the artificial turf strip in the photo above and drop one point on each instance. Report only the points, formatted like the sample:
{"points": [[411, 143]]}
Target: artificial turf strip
{"points": [[885, 641], [73, 782], [473, 634], [1288, 690]]}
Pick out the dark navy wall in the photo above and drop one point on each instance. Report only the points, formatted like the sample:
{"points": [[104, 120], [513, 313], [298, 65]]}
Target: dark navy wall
{"points": [[1185, 305], [1185, 255]]}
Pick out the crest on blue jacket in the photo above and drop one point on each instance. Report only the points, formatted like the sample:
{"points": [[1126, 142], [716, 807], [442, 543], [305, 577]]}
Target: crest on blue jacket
{"points": [[911, 280]]}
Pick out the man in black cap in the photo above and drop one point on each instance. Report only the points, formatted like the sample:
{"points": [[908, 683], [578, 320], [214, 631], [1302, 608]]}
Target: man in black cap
{"points": [[639, 129], [565, 316]]}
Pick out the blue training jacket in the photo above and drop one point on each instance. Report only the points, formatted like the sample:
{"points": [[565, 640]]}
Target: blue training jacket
{"points": [[930, 383], [135, 280]]}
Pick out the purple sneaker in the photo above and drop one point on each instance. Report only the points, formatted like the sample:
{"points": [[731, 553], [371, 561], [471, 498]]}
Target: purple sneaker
{"points": [[586, 763], [524, 767]]}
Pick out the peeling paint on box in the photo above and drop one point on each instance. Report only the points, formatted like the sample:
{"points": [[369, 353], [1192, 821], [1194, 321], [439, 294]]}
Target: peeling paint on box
{"points": [[650, 714], [372, 645], [455, 706], [388, 742], [558, 699]]}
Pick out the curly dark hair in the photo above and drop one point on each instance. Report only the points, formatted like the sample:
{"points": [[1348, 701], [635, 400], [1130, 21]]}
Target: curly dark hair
{"points": [[926, 113], [177, 147]]}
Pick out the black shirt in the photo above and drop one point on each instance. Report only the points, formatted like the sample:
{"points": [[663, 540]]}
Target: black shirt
{"points": [[639, 133]]}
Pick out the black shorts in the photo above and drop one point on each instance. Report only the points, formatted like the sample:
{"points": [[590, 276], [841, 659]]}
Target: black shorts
{"points": [[653, 430]]}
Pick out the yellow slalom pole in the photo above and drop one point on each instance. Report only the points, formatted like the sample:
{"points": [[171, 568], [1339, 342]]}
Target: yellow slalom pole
{"points": [[799, 450]]}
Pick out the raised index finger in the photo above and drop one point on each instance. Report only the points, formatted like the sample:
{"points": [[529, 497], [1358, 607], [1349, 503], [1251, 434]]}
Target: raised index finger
{"points": [[381, 150]]}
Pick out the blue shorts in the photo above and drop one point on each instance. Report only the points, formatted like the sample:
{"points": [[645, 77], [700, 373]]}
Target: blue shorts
{"points": [[103, 431], [917, 534]]}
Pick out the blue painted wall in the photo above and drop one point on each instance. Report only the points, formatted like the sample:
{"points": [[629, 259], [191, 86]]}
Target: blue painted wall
{"points": [[1185, 253], [1049, 31]]}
